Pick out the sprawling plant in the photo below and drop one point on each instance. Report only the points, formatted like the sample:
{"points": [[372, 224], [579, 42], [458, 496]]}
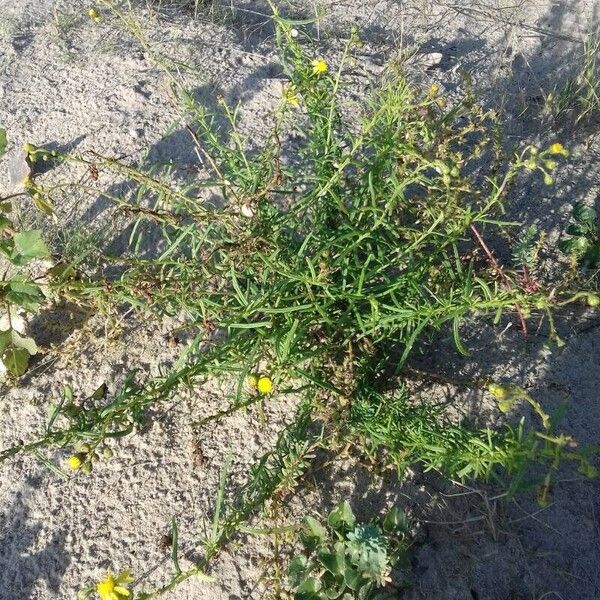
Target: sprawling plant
{"points": [[336, 243]]}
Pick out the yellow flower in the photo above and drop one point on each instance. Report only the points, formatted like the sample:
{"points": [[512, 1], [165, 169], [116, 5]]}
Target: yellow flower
{"points": [[558, 148], [291, 97], [265, 385], [112, 588], [434, 89], [500, 391], [94, 15], [74, 462], [319, 66]]}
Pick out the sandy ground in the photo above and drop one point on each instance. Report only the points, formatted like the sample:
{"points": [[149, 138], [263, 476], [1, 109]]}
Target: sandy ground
{"points": [[75, 84]]}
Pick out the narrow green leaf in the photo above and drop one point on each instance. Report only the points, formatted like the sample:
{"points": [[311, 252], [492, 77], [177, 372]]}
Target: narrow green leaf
{"points": [[3, 141], [456, 333], [175, 545]]}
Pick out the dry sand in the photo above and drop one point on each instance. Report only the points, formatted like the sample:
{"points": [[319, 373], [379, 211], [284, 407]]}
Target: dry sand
{"points": [[67, 81]]}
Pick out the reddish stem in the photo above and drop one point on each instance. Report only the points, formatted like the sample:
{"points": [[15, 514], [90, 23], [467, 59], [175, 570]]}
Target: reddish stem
{"points": [[500, 271]]}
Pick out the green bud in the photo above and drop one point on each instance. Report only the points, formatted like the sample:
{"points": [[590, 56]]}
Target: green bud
{"points": [[548, 179], [534, 151], [85, 448], [593, 300], [107, 452], [550, 164], [87, 468]]}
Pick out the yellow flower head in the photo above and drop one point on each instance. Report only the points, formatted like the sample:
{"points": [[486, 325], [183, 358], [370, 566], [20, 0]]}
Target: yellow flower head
{"points": [[94, 15], [434, 90], [319, 66], [500, 391], [558, 148], [265, 385], [112, 588], [74, 462]]}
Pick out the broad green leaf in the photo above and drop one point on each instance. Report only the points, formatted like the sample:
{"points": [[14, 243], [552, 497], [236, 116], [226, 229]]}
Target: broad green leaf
{"points": [[341, 517], [5, 339], [583, 213], [313, 532], [30, 244], [575, 245], [297, 570], [364, 591], [395, 520], [576, 229], [310, 585], [592, 256], [333, 586], [7, 246], [16, 360], [352, 578], [100, 392], [24, 294], [332, 561], [26, 343]]}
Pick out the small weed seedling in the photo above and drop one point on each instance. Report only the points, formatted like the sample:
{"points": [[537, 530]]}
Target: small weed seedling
{"points": [[580, 95], [345, 559], [584, 242]]}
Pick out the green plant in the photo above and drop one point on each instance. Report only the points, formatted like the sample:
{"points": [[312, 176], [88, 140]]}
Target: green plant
{"points": [[583, 243], [345, 559], [321, 267], [18, 291], [580, 95]]}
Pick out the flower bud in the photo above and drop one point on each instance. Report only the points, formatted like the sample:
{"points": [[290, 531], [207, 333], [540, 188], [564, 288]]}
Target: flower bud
{"points": [[593, 300]]}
